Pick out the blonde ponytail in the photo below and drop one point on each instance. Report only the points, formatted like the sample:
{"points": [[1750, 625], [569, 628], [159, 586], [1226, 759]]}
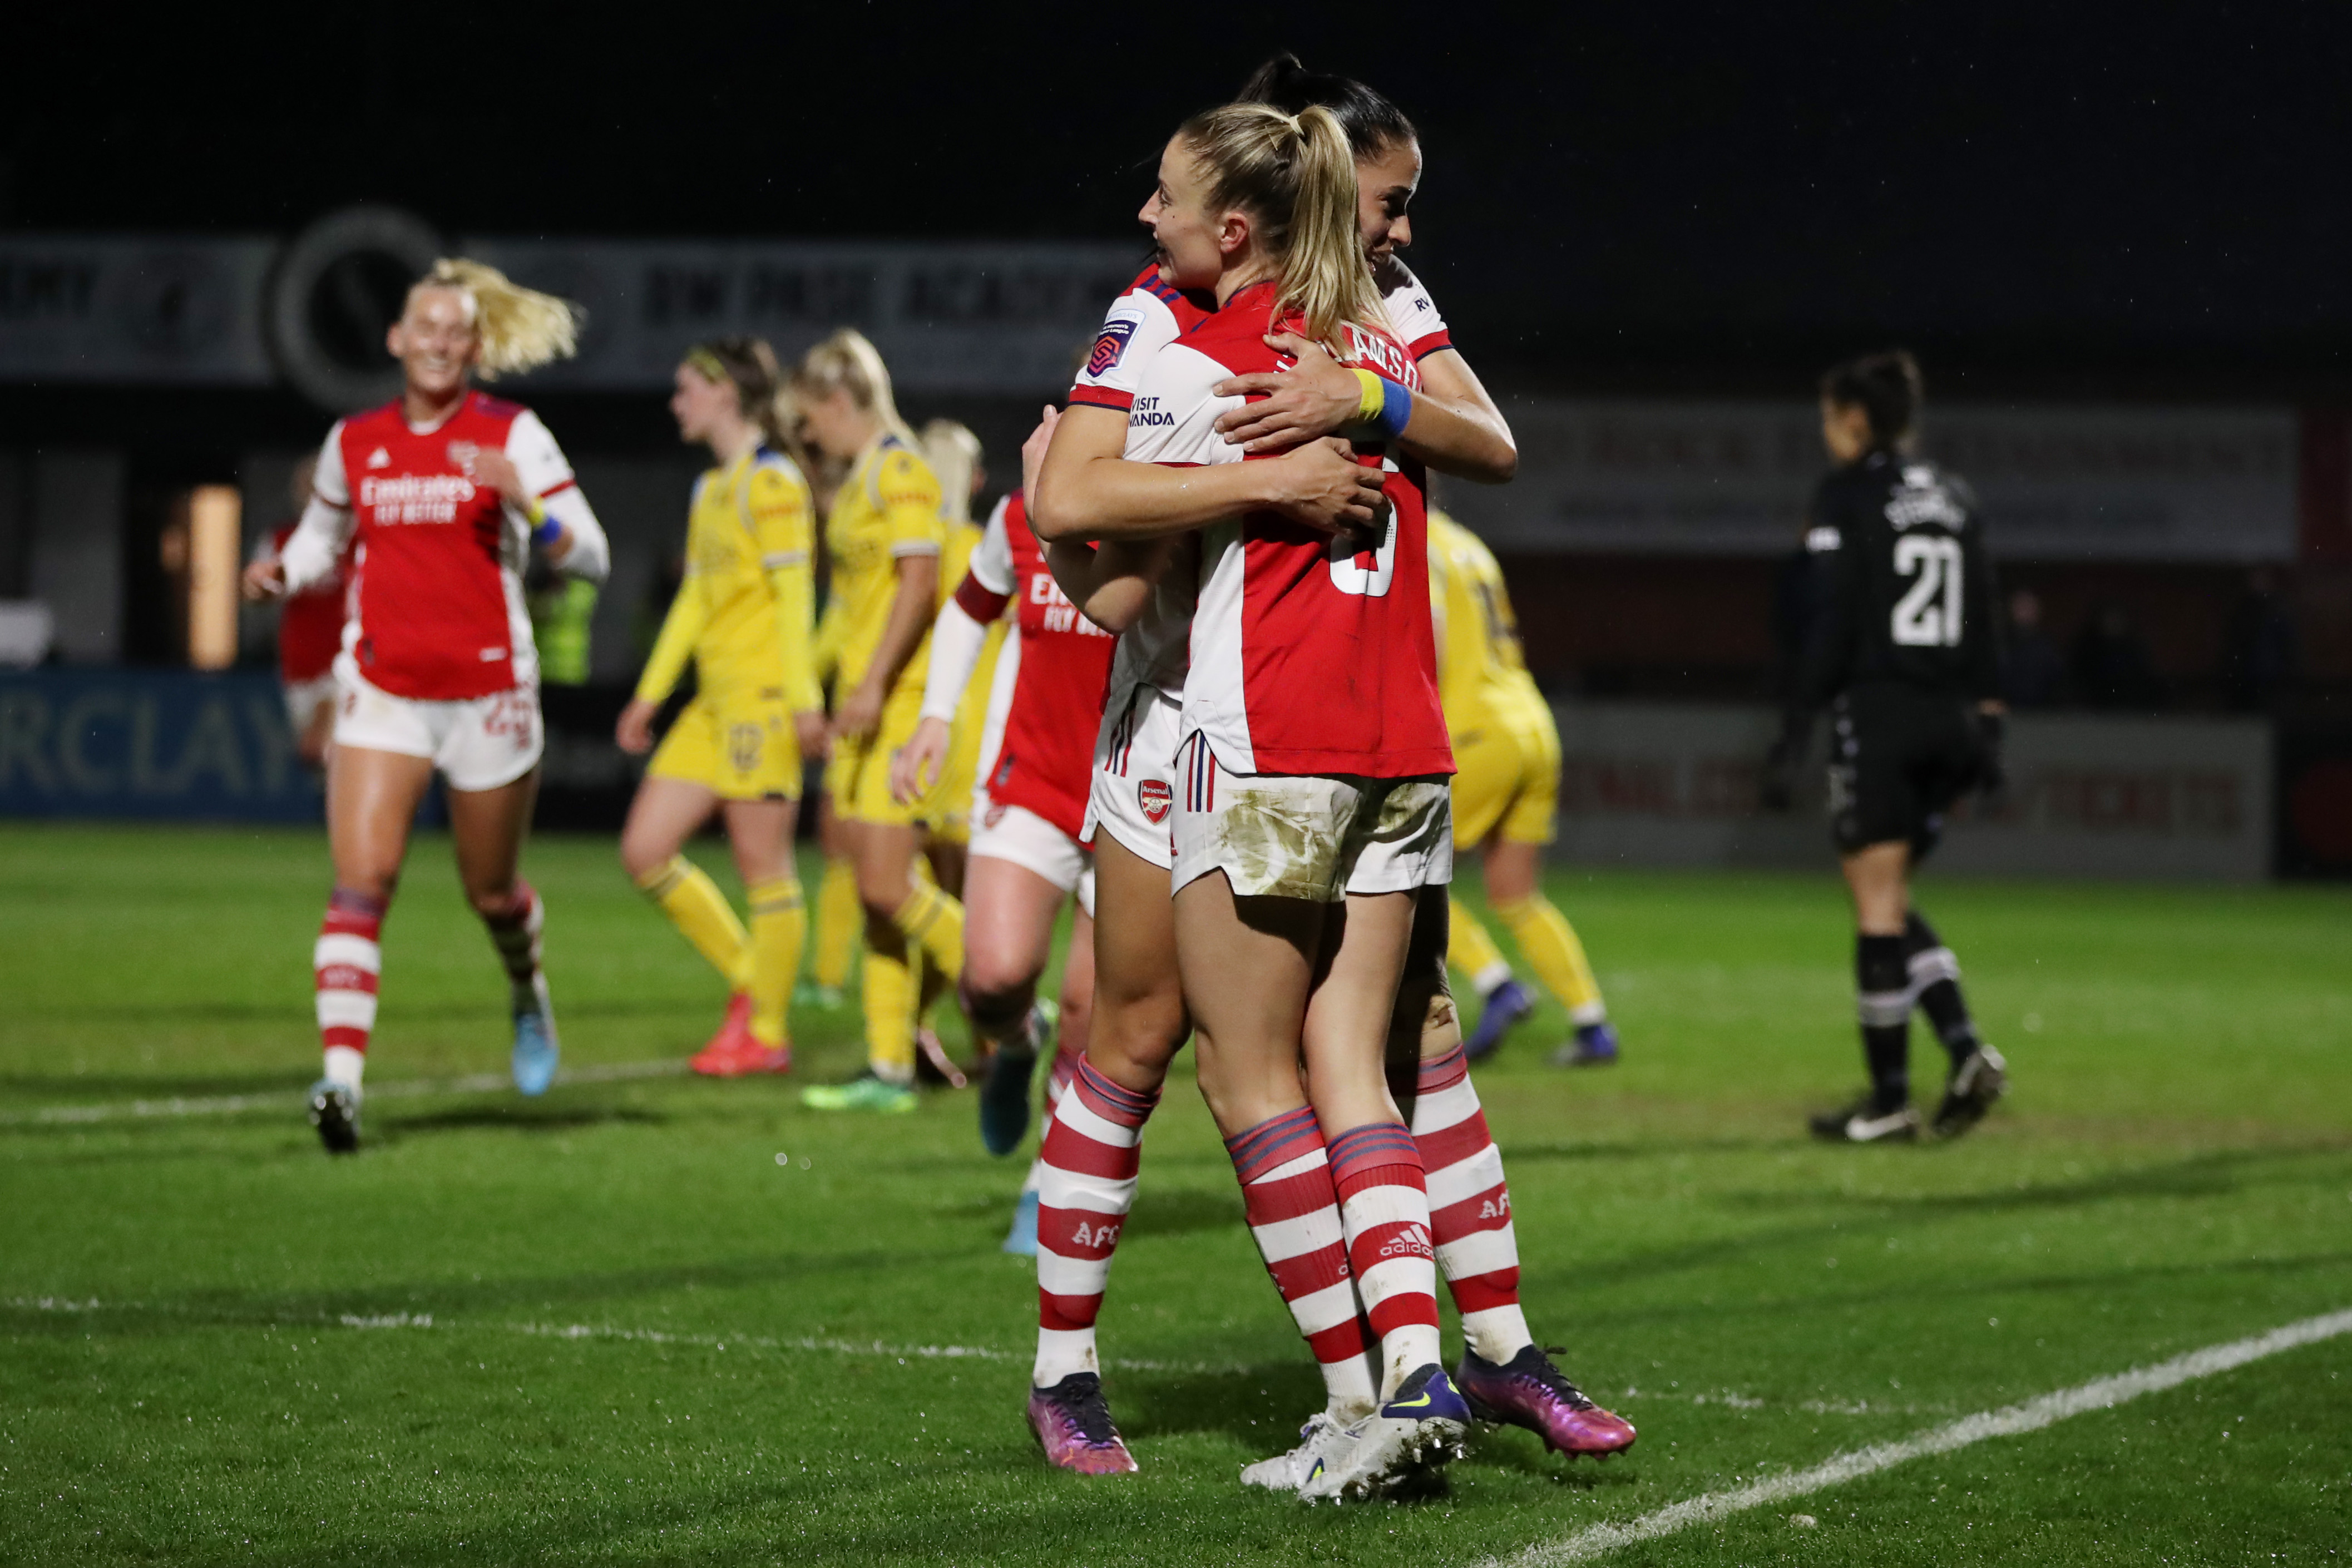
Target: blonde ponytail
{"points": [[520, 329], [953, 453], [847, 362], [1295, 175]]}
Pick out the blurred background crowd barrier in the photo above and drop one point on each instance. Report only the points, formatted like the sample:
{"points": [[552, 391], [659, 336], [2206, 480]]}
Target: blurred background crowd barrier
{"points": [[2176, 552]]}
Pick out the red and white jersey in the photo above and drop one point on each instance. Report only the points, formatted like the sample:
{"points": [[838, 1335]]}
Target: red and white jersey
{"points": [[436, 605], [1046, 746], [1306, 656], [1140, 323], [1413, 317], [310, 622]]}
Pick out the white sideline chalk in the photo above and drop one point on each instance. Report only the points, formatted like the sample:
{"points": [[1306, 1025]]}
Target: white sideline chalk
{"points": [[397, 1088], [1596, 1541]]}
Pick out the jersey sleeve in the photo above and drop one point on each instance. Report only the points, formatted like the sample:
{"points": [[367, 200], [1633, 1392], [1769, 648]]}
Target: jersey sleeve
{"points": [[540, 463], [1175, 420], [992, 559], [327, 481], [907, 493], [1137, 327], [531, 448], [1413, 315], [319, 539]]}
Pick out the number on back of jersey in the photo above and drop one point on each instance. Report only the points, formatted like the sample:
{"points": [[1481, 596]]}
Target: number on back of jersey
{"points": [[1928, 613]]}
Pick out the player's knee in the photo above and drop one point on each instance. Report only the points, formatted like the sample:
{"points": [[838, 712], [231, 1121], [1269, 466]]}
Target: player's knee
{"points": [[490, 902], [996, 993]]}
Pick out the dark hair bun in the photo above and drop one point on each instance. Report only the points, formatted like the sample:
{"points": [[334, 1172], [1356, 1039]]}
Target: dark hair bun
{"points": [[1373, 124], [1886, 386]]}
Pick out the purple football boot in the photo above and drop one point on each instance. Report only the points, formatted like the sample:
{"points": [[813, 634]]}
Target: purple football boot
{"points": [[1532, 1391], [1072, 1423]]}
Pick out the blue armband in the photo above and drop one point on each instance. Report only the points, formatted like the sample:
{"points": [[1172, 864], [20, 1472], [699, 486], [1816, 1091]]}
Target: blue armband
{"points": [[1396, 409], [547, 531]]}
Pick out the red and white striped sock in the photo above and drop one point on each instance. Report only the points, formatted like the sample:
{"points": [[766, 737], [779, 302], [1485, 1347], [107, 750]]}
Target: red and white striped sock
{"points": [[1293, 1211], [1469, 1208], [1057, 1083], [1086, 1184], [515, 933], [344, 966], [1384, 1207]]}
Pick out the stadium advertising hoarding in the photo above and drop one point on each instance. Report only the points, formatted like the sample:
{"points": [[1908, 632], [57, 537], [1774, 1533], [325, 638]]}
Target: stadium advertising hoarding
{"points": [[1640, 477], [973, 317], [150, 743], [2088, 796]]}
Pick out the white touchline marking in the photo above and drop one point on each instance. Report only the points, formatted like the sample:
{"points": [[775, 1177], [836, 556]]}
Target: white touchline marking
{"points": [[1598, 1540], [643, 1336], [397, 1088]]}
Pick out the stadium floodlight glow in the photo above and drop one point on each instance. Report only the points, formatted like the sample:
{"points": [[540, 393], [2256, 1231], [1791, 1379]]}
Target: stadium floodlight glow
{"points": [[215, 517]]}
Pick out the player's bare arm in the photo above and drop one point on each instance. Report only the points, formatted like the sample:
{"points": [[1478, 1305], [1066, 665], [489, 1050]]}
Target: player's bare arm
{"points": [[1111, 583], [1088, 490], [1454, 428]]}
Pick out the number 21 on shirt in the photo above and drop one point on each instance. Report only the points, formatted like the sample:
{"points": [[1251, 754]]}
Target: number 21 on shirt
{"points": [[1928, 615]]}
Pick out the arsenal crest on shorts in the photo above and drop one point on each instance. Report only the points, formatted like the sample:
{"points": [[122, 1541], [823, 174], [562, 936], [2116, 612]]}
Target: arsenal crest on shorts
{"points": [[1155, 797], [1109, 346]]}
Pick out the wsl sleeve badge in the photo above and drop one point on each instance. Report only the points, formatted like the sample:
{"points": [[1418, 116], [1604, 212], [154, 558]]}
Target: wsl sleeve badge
{"points": [[1108, 347]]}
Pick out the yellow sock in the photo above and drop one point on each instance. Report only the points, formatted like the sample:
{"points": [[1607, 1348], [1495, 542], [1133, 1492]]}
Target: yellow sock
{"points": [[779, 926], [1555, 955], [1470, 949], [889, 997], [839, 920], [935, 920], [703, 916]]}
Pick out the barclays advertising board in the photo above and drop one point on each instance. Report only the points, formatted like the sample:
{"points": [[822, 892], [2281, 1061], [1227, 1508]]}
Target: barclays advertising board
{"points": [[150, 743]]}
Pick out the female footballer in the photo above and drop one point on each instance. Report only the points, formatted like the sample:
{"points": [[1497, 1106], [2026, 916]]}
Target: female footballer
{"points": [[743, 616], [445, 492]]}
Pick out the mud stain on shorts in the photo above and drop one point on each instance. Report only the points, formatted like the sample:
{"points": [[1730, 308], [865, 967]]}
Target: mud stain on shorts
{"points": [[1274, 848]]}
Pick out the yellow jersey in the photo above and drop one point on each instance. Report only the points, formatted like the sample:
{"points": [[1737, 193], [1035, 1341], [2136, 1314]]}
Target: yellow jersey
{"points": [[744, 611], [888, 508], [1482, 676]]}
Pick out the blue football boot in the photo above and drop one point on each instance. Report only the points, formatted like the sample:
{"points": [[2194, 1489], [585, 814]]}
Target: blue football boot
{"points": [[1595, 1045], [1506, 1004], [1022, 1239], [536, 1052]]}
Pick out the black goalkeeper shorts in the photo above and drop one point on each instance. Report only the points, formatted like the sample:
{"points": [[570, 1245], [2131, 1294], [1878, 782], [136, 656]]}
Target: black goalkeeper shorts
{"points": [[1899, 756]]}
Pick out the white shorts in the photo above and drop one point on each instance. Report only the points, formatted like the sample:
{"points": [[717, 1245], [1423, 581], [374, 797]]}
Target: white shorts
{"points": [[1132, 794], [478, 743], [1311, 836], [1018, 834], [303, 697]]}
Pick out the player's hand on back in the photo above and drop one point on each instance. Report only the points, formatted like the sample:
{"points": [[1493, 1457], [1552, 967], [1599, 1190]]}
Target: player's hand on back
{"points": [[916, 766], [1325, 486], [1317, 396]]}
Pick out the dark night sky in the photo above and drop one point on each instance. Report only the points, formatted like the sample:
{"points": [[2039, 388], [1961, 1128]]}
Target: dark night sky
{"points": [[2115, 191]]}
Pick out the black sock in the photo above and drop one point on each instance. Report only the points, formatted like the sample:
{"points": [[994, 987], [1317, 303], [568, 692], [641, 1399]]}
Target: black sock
{"points": [[1882, 1000], [1937, 974]]}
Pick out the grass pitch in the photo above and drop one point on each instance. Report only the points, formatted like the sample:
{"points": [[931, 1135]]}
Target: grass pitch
{"points": [[661, 1320]]}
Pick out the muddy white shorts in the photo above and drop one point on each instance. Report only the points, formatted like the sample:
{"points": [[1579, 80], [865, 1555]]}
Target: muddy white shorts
{"points": [[1132, 794], [303, 697], [1018, 834], [478, 743], [1312, 836]]}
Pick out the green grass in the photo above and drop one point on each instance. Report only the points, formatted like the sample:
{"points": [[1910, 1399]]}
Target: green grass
{"points": [[214, 1346]]}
